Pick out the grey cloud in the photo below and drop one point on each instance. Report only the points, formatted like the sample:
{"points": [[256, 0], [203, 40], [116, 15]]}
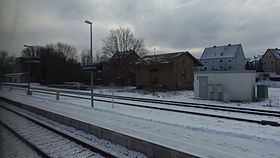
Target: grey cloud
{"points": [[176, 25]]}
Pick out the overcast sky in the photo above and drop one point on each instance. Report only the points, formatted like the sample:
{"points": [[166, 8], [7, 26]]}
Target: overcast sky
{"points": [[167, 25]]}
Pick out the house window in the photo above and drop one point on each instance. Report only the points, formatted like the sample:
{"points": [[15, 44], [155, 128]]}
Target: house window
{"points": [[205, 68], [272, 62], [221, 67], [205, 62], [184, 61], [154, 70], [229, 60], [229, 67], [221, 61], [221, 54]]}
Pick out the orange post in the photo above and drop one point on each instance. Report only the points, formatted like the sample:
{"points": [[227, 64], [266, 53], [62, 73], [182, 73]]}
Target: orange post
{"points": [[57, 95]]}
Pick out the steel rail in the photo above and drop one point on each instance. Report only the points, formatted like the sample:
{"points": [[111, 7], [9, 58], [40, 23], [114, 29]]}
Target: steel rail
{"points": [[25, 141], [179, 104], [261, 122], [167, 102], [86, 145]]}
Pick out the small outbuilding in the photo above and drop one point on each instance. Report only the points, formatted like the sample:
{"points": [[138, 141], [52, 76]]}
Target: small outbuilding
{"points": [[170, 70], [16, 77], [271, 61], [225, 85]]}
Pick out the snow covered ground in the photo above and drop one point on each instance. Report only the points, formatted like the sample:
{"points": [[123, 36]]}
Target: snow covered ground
{"points": [[275, 84], [42, 136], [202, 136], [11, 146], [272, 103]]}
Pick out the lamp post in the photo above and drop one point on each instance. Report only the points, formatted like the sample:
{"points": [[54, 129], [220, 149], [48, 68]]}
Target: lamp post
{"points": [[28, 90], [91, 63]]}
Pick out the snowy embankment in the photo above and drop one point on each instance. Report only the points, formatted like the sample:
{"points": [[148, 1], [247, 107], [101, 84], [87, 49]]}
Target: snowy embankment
{"points": [[201, 135], [273, 84]]}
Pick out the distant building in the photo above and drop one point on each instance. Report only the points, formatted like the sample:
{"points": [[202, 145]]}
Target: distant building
{"points": [[254, 63], [170, 70], [21, 69], [223, 58], [16, 77], [271, 61], [117, 69]]}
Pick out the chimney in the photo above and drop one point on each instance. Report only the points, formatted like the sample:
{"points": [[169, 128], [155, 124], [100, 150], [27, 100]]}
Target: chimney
{"points": [[214, 46], [229, 44], [276, 48]]}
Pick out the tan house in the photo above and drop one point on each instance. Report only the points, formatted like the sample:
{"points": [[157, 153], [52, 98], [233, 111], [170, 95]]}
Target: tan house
{"points": [[271, 61], [170, 70]]}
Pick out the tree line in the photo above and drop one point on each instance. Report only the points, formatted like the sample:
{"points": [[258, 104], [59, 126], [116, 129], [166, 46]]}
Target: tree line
{"points": [[60, 62], [5, 63]]}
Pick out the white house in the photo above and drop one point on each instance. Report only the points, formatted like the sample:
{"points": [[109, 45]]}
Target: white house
{"points": [[223, 58], [225, 85]]}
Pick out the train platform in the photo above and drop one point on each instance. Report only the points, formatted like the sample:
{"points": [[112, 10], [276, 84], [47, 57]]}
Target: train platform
{"points": [[185, 137]]}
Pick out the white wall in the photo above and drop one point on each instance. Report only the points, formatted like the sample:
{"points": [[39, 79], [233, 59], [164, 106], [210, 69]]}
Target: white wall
{"points": [[239, 86]]}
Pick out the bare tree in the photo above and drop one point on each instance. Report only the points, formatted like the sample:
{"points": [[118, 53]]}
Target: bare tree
{"points": [[85, 58], [68, 51], [59, 62], [6, 62], [64, 50], [122, 40], [98, 57], [31, 52]]}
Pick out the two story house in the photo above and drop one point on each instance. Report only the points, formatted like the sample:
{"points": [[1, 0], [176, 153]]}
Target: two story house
{"points": [[271, 61], [223, 58]]}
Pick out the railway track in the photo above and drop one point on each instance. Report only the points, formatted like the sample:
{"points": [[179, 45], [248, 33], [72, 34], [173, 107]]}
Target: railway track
{"points": [[45, 140], [171, 103], [176, 103], [12, 146]]}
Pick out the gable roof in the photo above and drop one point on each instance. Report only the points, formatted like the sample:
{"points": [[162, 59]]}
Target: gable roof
{"points": [[220, 51], [275, 52], [122, 55], [163, 58]]}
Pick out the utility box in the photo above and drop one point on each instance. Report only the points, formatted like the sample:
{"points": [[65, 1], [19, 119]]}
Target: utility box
{"points": [[225, 85], [262, 91]]}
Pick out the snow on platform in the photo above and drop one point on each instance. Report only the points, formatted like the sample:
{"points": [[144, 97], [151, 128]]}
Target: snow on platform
{"points": [[198, 135]]}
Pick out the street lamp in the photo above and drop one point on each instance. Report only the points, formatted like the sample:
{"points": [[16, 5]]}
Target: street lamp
{"points": [[28, 90], [91, 63]]}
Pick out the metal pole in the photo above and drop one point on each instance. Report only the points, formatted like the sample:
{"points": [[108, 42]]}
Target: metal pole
{"points": [[91, 63], [112, 86], [91, 74], [28, 91]]}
